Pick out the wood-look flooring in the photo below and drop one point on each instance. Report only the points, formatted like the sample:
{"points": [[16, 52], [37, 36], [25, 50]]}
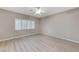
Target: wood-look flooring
{"points": [[38, 43]]}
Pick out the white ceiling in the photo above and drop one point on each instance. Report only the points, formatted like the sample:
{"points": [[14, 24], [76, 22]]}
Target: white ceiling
{"points": [[30, 10]]}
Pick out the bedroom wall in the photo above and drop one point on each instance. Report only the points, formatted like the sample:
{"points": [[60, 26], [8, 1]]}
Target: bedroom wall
{"points": [[64, 25], [7, 25]]}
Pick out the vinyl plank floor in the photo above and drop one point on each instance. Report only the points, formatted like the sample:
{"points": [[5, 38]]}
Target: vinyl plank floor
{"points": [[38, 43]]}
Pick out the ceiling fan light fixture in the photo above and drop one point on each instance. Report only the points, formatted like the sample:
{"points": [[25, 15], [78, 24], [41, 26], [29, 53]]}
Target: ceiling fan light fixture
{"points": [[38, 11]]}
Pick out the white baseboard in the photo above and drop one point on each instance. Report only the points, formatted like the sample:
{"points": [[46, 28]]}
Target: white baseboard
{"points": [[64, 38], [17, 37], [69, 40]]}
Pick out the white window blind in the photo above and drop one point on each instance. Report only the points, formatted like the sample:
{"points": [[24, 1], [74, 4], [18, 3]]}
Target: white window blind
{"points": [[18, 24], [21, 24]]}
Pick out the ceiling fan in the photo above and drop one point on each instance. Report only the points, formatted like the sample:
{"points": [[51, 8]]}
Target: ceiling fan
{"points": [[39, 11]]}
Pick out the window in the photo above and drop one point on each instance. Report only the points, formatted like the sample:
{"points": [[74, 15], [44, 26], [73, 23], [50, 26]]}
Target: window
{"points": [[24, 24], [30, 24], [18, 24]]}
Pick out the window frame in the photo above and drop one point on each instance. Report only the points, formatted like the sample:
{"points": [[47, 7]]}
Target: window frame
{"points": [[28, 27]]}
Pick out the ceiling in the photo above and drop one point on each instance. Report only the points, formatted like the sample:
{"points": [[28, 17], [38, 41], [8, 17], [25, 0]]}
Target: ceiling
{"points": [[30, 10]]}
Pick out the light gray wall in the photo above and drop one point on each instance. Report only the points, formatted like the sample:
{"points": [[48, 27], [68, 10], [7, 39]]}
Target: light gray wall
{"points": [[7, 25], [63, 25]]}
